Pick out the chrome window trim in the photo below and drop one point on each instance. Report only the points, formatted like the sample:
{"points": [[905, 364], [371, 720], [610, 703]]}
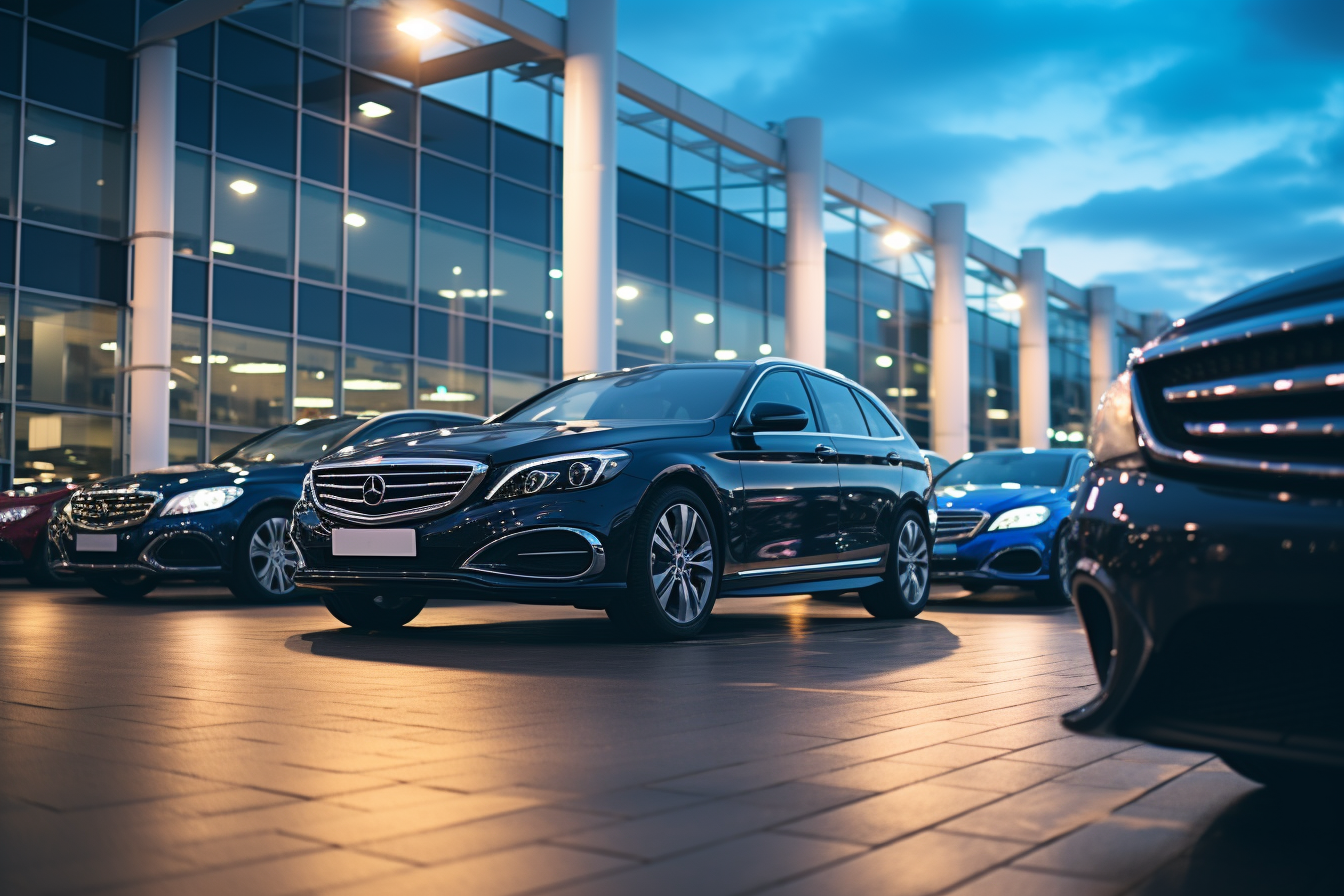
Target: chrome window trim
{"points": [[477, 471], [597, 564], [802, 369], [812, 567]]}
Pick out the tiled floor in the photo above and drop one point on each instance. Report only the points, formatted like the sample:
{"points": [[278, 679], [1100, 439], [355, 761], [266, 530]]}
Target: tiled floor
{"points": [[190, 744]]}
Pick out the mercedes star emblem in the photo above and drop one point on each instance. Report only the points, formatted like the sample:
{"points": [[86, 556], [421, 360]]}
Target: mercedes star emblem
{"points": [[374, 489]]}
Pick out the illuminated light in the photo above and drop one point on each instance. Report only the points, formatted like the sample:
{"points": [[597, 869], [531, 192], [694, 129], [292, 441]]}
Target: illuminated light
{"points": [[883, 314], [1028, 450], [420, 29], [555, 273], [354, 219], [1191, 457], [1227, 389], [1192, 527], [320, 375], [374, 110], [1010, 485], [457, 270], [442, 394], [1282, 385], [725, 354], [897, 240], [627, 293], [172, 384], [493, 292], [1075, 437], [40, 140], [4, 331], [1334, 379], [1118, 511], [997, 413], [108, 346], [1217, 427], [257, 367], [765, 348], [470, 293], [549, 315], [1092, 498], [967, 456], [1011, 301], [1124, 477], [368, 385], [1159, 489], [909, 392], [1269, 428], [448, 293], [1179, 323], [704, 318], [319, 403], [243, 187], [893, 392], [1050, 432], [882, 360], [1284, 496], [219, 247], [1061, 436]]}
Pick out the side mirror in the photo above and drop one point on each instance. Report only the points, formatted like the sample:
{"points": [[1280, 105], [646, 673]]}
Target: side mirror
{"points": [[772, 416]]}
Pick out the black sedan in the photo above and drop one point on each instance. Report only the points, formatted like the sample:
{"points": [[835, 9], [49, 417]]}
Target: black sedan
{"points": [[648, 493], [222, 520], [1209, 540]]}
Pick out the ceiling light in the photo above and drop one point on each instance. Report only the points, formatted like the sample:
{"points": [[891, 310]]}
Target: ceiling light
{"points": [[40, 140], [725, 354], [628, 293], [359, 385], [355, 220], [998, 414], [704, 318], [420, 29], [257, 367], [245, 187], [308, 402], [1011, 300], [448, 293], [442, 394], [882, 360], [897, 240], [219, 247], [550, 315], [766, 348], [374, 110], [665, 337], [883, 314]]}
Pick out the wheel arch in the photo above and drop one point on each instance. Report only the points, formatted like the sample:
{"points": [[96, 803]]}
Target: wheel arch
{"points": [[695, 479]]}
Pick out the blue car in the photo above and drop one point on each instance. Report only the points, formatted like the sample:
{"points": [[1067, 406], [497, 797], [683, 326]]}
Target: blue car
{"points": [[1001, 516]]}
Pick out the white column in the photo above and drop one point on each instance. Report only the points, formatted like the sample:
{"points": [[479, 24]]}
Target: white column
{"points": [[949, 381], [1101, 339], [1033, 352], [152, 270], [590, 188], [804, 243]]}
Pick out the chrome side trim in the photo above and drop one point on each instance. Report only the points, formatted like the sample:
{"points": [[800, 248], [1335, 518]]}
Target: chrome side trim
{"points": [[811, 567], [1294, 381], [599, 561], [474, 477]]}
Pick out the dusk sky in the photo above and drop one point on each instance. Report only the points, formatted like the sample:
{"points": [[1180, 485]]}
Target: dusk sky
{"points": [[1180, 149]]}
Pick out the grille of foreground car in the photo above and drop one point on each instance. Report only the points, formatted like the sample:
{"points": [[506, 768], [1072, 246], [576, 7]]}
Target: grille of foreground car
{"points": [[1266, 397], [389, 489], [112, 508], [954, 525]]}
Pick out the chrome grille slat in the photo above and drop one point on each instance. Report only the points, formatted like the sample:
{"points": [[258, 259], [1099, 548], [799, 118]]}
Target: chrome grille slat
{"points": [[409, 487], [1294, 381], [955, 525], [103, 509]]}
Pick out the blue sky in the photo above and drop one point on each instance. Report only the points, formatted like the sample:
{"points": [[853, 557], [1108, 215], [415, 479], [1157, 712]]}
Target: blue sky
{"points": [[1179, 149]]}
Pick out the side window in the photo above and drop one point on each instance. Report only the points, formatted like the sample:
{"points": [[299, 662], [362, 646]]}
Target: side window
{"points": [[878, 424], [784, 387], [841, 411]]}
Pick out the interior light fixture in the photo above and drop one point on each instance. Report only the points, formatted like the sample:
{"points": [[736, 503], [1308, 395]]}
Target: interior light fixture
{"points": [[420, 29], [883, 314], [355, 220], [882, 360], [374, 110], [243, 187], [550, 315], [897, 240], [442, 394], [628, 293], [725, 354], [108, 346], [765, 348], [257, 367], [448, 293], [665, 337], [367, 385], [40, 140], [457, 270], [219, 247], [302, 401], [556, 273], [704, 318], [997, 414], [1011, 300]]}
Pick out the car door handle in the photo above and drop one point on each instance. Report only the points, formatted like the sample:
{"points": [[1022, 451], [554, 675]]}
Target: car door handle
{"points": [[826, 451], [894, 459]]}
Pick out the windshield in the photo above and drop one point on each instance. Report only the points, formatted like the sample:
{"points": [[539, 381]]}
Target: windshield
{"points": [[668, 393], [295, 443], [1012, 469]]}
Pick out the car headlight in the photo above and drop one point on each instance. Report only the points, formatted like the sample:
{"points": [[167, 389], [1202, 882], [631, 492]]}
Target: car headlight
{"points": [[201, 500], [1021, 517], [14, 514], [561, 473], [1113, 438]]}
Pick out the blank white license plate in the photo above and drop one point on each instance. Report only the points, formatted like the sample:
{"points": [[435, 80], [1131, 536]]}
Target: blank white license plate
{"points": [[86, 542], [373, 542]]}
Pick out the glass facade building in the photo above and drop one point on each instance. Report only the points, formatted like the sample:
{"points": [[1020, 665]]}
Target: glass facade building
{"points": [[348, 242]]}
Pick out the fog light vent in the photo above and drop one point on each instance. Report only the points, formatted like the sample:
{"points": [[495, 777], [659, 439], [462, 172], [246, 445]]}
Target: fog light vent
{"points": [[551, 553], [1017, 562]]}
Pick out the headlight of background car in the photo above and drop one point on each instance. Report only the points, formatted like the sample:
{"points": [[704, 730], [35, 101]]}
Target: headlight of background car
{"points": [[14, 514], [1021, 517], [1113, 437], [562, 473], [201, 500]]}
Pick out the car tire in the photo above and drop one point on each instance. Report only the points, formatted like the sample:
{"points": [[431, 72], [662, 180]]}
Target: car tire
{"points": [[1054, 592], [375, 612], [124, 587], [264, 560], [1283, 775], [904, 590], [675, 567], [37, 569]]}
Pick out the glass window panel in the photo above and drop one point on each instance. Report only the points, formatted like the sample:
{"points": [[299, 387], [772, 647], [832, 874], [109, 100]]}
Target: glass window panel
{"points": [[78, 265], [381, 107], [519, 351], [880, 326], [694, 326], [743, 237], [449, 337], [642, 199], [839, 407], [697, 268], [882, 373], [841, 275], [11, 52], [191, 203], [193, 111], [374, 384], [744, 283], [783, 387], [842, 355], [378, 249], [314, 381], [521, 284], [185, 380], [455, 133], [189, 286], [697, 220], [7, 233], [51, 447], [642, 152], [78, 179], [254, 217], [775, 244], [741, 333], [695, 170], [319, 312], [454, 191], [324, 88], [76, 74], [641, 317], [67, 353], [775, 334], [378, 324], [324, 26], [842, 315], [249, 374], [382, 168], [915, 389], [521, 157], [196, 51], [641, 251], [184, 444], [507, 391], [841, 231], [9, 155], [272, 16], [520, 104], [879, 288], [323, 151], [255, 130], [777, 291], [453, 272], [257, 64], [320, 234], [520, 212], [878, 424], [258, 300], [450, 389], [377, 45]]}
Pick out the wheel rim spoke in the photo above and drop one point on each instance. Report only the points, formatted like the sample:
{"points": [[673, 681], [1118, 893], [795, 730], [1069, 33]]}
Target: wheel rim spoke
{"points": [[681, 563]]}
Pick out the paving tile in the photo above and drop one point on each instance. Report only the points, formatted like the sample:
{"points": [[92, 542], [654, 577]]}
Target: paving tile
{"points": [[1019, 736], [1193, 798], [633, 802], [1072, 751], [1001, 775], [368, 826], [1122, 774], [671, 832], [486, 835], [896, 813], [877, 775], [497, 874], [1020, 882], [245, 848], [276, 877], [1162, 755], [950, 755], [1041, 813], [1117, 849]]}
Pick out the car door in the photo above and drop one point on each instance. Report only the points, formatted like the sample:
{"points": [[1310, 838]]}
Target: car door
{"points": [[870, 486], [790, 483]]}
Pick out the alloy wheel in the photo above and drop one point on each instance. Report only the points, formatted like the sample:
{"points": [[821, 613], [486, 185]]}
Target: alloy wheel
{"points": [[273, 560], [681, 561], [912, 562]]}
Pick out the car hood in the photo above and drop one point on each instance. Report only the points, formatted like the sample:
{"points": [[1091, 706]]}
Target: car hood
{"points": [[498, 443], [995, 499], [186, 477]]}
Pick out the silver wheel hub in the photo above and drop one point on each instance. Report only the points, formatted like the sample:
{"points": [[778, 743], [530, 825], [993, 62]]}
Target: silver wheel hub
{"points": [[912, 562], [681, 563], [271, 557]]}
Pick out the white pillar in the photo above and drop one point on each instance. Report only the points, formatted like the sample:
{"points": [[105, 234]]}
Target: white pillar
{"points": [[804, 243], [1033, 352], [949, 381], [590, 188], [152, 271], [1101, 339]]}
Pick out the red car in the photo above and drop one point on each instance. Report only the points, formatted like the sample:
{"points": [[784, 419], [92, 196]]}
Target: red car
{"points": [[24, 513]]}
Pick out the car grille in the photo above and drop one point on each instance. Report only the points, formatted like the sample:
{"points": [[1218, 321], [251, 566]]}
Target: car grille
{"points": [[392, 490], [112, 508], [1269, 401], [954, 525]]}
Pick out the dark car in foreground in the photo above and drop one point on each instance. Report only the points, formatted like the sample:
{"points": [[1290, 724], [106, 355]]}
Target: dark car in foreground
{"points": [[648, 493], [1001, 518], [24, 513], [1209, 539], [224, 520]]}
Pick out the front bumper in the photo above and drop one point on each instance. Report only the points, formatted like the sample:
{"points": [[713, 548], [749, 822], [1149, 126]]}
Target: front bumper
{"points": [[1212, 615], [1004, 557], [195, 546]]}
